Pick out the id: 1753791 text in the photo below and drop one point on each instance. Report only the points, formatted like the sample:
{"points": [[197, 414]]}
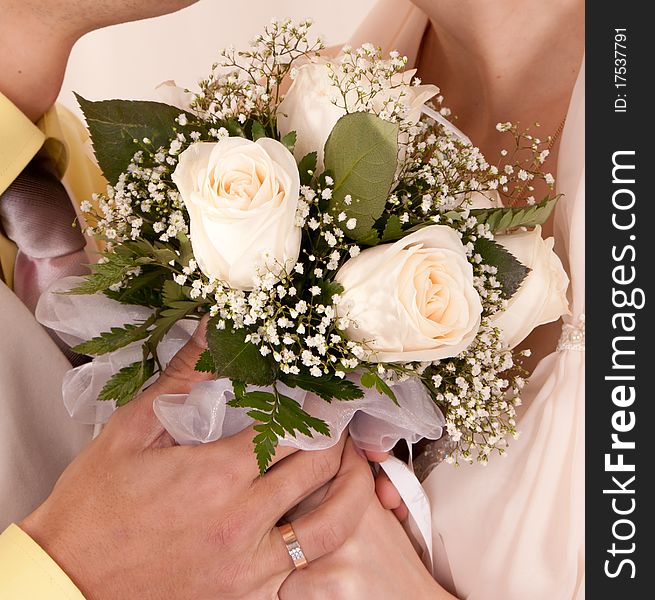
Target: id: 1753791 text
{"points": [[621, 70]]}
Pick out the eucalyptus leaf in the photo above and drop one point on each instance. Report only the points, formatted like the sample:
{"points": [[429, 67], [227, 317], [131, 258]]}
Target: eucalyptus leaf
{"points": [[361, 155], [115, 124]]}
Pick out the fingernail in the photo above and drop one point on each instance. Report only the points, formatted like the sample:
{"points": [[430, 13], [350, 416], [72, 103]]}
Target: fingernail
{"points": [[200, 334]]}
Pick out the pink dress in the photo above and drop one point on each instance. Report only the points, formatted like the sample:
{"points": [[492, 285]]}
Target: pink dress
{"points": [[514, 530]]}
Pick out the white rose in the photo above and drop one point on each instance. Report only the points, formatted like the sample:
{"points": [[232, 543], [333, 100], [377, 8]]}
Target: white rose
{"points": [[309, 106], [413, 300], [542, 296], [242, 198]]}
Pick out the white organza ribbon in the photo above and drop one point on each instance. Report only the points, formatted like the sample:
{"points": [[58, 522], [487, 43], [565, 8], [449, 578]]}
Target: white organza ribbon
{"points": [[374, 422]]}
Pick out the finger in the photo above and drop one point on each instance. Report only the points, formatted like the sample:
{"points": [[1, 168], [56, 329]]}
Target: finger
{"points": [[178, 378], [239, 451], [296, 478], [377, 457], [326, 528], [401, 513], [387, 492]]}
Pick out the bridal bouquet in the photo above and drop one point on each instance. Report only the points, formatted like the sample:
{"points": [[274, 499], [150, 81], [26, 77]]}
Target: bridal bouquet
{"points": [[348, 243]]}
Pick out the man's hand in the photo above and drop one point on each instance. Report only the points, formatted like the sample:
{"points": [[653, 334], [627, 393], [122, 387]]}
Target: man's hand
{"points": [[135, 516]]}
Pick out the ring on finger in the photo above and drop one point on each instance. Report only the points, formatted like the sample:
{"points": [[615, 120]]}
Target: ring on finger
{"points": [[293, 546]]}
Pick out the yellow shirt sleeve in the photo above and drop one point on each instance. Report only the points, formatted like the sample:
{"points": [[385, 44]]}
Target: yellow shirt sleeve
{"points": [[28, 573]]}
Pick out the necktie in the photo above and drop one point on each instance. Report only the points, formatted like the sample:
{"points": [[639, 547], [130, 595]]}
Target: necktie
{"points": [[37, 214]]}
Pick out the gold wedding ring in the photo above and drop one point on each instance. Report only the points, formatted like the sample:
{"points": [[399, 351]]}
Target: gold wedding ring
{"points": [[293, 546]]}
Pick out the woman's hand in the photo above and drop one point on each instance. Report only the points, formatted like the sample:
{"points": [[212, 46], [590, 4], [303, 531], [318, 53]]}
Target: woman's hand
{"points": [[377, 561], [385, 490]]}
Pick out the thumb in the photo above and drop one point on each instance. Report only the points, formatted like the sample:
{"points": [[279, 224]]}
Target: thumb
{"points": [[180, 374], [178, 378]]}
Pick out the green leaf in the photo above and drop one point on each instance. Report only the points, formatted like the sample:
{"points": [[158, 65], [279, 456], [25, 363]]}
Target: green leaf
{"points": [[144, 290], [327, 387], [328, 290], [393, 230], [186, 251], [125, 384], [511, 272], [237, 359], [289, 141], [293, 418], [172, 292], [258, 131], [239, 388], [371, 379], [361, 154], [117, 337], [502, 219], [205, 363], [115, 124], [234, 129], [278, 415], [105, 274], [307, 168], [166, 318], [263, 401]]}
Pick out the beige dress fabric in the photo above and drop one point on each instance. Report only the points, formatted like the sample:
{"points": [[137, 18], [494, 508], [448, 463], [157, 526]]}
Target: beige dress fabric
{"points": [[514, 530], [38, 439]]}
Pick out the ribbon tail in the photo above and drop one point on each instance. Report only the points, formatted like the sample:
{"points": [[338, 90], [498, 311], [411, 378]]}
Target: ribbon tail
{"points": [[418, 505], [433, 114]]}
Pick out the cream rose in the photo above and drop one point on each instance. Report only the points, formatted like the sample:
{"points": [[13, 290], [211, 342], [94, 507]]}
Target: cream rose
{"points": [[309, 106], [242, 198], [542, 296], [413, 300]]}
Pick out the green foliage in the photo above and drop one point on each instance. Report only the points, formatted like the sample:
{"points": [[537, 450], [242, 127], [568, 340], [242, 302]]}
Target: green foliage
{"points": [[393, 230], [289, 141], [125, 384], [105, 274], [327, 387], [371, 379], [115, 124], [237, 359], [361, 154], [205, 363], [278, 415], [502, 219], [117, 337], [511, 272], [307, 168], [258, 131]]}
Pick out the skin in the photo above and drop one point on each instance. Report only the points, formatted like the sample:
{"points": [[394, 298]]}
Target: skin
{"points": [[36, 38], [134, 504]]}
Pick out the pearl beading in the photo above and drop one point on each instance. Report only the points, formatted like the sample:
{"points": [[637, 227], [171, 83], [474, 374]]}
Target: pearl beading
{"points": [[573, 336]]}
